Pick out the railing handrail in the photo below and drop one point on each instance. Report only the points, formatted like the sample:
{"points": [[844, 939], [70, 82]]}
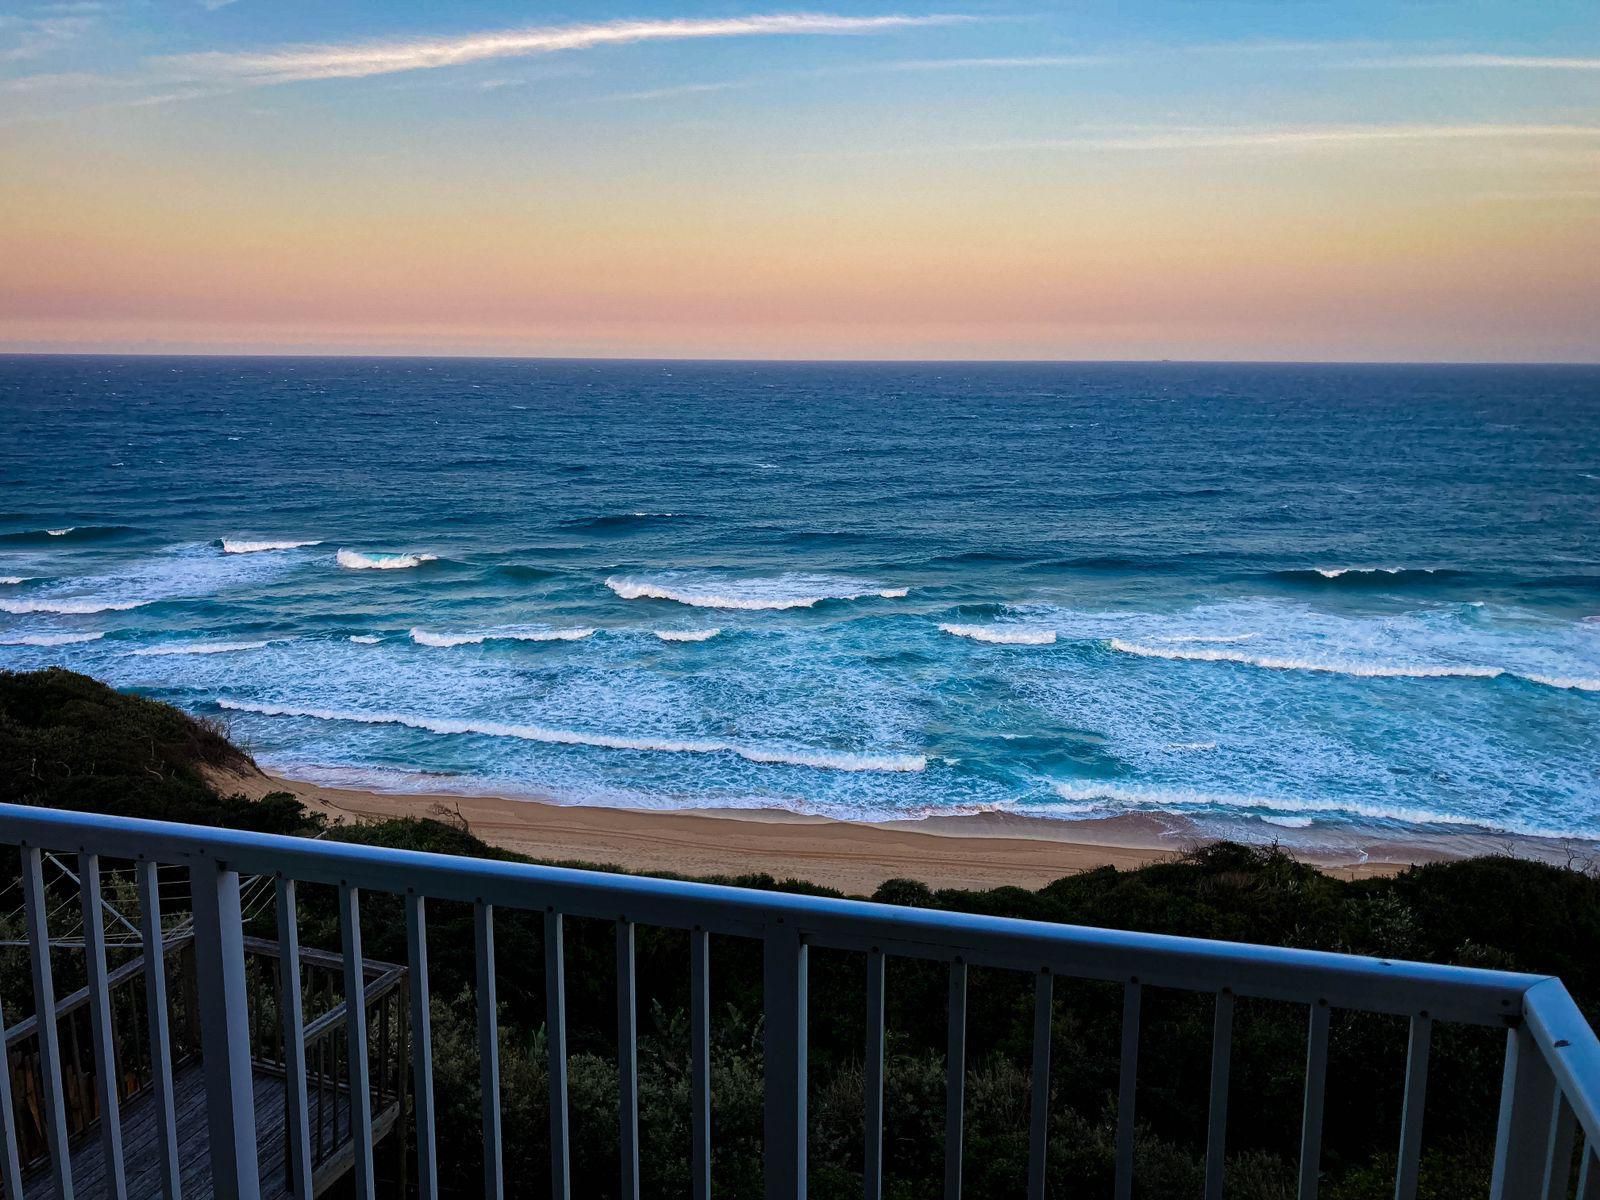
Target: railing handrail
{"points": [[1551, 1082], [1466, 994], [69, 1004]]}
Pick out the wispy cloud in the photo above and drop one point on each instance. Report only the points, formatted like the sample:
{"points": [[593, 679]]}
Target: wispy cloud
{"points": [[361, 59], [1491, 61], [1017, 62], [1297, 138], [23, 38]]}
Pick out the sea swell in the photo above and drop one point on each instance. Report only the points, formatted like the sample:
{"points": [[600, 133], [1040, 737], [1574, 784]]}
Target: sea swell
{"points": [[236, 546], [425, 637], [354, 560], [821, 760], [1002, 635]]}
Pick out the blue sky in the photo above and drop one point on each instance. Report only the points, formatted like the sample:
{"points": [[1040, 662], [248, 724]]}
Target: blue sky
{"points": [[983, 179]]}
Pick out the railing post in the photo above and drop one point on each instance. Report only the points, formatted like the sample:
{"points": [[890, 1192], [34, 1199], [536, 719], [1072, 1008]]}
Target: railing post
{"points": [[224, 1030], [155, 985], [355, 1039], [1526, 1092], [784, 993], [421, 1047], [114, 1170], [36, 906], [10, 1154], [291, 1018]]}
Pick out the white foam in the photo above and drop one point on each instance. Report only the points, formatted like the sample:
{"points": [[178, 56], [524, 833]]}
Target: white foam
{"points": [[13, 579], [233, 546], [1187, 746], [1363, 670], [365, 639], [1222, 638], [1289, 822], [424, 637], [197, 648], [75, 607], [353, 560], [61, 532], [824, 760], [687, 635], [51, 639], [1335, 572], [1003, 635], [782, 592], [1091, 795]]}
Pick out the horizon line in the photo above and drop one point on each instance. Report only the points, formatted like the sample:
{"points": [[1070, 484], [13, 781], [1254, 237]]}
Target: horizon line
{"points": [[750, 360]]}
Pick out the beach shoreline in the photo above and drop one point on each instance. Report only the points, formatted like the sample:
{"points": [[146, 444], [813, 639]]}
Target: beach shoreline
{"points": [[976, 851]]}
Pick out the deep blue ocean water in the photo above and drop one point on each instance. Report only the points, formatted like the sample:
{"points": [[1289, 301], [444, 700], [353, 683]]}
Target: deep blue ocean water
{"points": [[1281, 601]]}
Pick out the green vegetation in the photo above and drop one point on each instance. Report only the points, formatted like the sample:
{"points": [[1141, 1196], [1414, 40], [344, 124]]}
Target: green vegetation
{"points": [[70, 742]]}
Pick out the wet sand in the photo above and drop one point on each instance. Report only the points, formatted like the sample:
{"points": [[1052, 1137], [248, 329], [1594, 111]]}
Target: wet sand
{"points": [[978, 851]]}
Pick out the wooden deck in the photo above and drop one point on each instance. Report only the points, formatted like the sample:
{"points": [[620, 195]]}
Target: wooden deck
{"points": [[142, 1155]]}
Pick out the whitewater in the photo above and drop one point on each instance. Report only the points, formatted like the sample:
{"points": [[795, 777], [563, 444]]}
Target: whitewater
{"points": [[1320, 605]]}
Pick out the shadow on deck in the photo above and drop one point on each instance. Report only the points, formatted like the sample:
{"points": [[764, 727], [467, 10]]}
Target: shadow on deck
{"points": [[327, 1075]]}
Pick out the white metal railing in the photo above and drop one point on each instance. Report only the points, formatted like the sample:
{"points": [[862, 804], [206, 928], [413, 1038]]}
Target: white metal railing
{"points": [[1550, 1092]]}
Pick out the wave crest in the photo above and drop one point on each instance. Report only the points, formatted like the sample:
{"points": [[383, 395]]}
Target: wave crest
{"points": [[1362, 670], [1002, 635], [687, 635], [781, 592], [425, 637], [822, 760], [237, 546], [72, 607], [197, 648], [354, 560], [51, 639]]}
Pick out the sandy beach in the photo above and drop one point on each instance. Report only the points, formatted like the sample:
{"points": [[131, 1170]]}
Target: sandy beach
{"points": [[979, 851]]}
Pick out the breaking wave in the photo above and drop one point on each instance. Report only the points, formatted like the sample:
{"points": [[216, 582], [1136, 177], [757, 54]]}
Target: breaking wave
{"points": [[232, 546], [781, 592], [424, 637], [1002, 635], [1092, 795], [51, 639], [687, 635], [74, 607], [355, 561], [1363, 670], [822, 760], [197, 648], [71, 533], [9, 579], [365, 639]]}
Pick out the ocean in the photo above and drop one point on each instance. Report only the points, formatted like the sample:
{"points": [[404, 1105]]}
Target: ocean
{"points": [[1312, 604]]}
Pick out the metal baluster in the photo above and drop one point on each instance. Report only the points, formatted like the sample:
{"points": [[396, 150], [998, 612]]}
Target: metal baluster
{"points": [[1039, 1128], [1316, 1093], [36, 910], [555, 1003], [10, 1155], [355, 1038], [700, 1061], [784, 994], [873, 1173], [1520, 1141], [1127, 1087], [1589, 1175], [1221, 1060], [488, 1051], [100, 1016], [421, 1047], [1417, 1049], [1558, 1160], [627, 1061], [224, 1034], [955, 1079], [292, 1022]]}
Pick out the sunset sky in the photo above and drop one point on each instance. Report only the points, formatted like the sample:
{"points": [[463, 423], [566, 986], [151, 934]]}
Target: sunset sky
{"points": [[1107, 180]]}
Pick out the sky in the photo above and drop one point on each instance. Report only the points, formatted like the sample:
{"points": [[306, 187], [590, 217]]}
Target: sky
{"points": [[1141, 179]]}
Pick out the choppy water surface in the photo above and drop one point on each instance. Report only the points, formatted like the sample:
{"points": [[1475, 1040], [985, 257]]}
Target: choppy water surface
{"points": [[1284, 601]]}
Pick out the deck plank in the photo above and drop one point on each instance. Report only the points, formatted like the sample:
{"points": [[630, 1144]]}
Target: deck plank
{"points": [[142, 1152]]}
